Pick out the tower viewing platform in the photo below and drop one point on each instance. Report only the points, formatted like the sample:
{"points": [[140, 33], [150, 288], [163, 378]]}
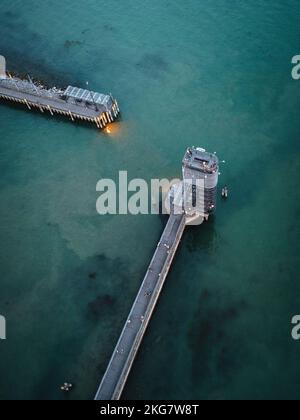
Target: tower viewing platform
{"points": [[72, 102], [197, 165]]}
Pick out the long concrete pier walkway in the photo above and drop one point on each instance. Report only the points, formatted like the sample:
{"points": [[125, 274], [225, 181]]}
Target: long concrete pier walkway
{"points": [[116, 375]]}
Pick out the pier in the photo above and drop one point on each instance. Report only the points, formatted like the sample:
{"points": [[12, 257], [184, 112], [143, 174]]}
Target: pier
{"points": [[72, 102], [190, 203], [116, 375]]}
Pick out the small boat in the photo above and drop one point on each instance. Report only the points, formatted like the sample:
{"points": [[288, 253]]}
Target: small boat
{"points": [[66, 387], [225, 192]]}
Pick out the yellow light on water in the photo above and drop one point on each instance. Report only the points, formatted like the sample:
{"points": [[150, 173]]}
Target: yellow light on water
{"points": [[113, 129]]}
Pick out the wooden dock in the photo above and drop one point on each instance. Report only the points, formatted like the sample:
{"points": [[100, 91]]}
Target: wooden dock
{"points": [[74, 103]]}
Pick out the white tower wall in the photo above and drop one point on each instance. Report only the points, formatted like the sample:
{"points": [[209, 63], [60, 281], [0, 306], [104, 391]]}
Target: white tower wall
{"points": [[2, 67]]}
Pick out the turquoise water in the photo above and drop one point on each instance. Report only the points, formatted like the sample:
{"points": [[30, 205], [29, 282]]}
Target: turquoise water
{"points": [[211, 73]]}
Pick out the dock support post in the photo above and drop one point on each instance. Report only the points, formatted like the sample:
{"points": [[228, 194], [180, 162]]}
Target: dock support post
{"points": [[108, 117], [72, 118], [50, 110]]}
